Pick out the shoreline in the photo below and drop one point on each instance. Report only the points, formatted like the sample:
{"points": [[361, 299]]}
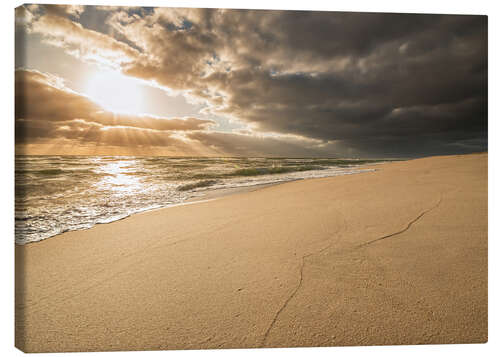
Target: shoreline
{"points": [[211, 194], [189, 201], [393, 256]]}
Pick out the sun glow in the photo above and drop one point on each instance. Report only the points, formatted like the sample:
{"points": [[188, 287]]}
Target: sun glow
{"points": [[115, 92]]}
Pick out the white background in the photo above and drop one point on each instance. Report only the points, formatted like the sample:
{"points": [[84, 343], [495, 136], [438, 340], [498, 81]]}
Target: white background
{"points": [[490, 8]]}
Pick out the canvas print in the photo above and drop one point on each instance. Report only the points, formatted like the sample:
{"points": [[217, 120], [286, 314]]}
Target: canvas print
{"points": [[215, 178]]}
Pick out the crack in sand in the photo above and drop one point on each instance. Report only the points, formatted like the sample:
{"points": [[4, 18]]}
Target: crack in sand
{"points": [[294, 292], [406, 228], [303, 262], [266, 334]]}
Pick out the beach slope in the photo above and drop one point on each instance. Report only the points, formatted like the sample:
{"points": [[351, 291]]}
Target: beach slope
{"points": [[393, 256]]}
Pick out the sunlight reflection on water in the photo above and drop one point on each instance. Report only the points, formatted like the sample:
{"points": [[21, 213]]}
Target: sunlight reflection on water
{"points": [[118, 176]]}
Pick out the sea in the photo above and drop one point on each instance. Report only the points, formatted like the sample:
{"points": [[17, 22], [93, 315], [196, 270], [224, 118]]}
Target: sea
{"points": [[56, 194]]}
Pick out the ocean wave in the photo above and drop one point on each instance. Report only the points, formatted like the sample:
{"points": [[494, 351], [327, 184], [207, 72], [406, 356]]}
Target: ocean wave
{"points": [[190, 186], [93, 190]]}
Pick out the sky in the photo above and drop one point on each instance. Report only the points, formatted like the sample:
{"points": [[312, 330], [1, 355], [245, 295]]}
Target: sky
{"points": [[94, 80]]}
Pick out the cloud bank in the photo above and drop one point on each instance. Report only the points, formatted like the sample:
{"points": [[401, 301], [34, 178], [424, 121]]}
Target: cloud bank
{"points": [[52, 117]]}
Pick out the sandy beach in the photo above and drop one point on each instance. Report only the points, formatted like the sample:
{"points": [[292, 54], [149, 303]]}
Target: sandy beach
{"points": [[393, 256]]}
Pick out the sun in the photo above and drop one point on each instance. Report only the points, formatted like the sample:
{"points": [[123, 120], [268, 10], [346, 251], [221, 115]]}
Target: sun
{"points": [[116, 92]]}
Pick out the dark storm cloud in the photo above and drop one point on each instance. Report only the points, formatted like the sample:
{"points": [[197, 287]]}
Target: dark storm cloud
{"points": [[377, 84], [385, 83]]}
